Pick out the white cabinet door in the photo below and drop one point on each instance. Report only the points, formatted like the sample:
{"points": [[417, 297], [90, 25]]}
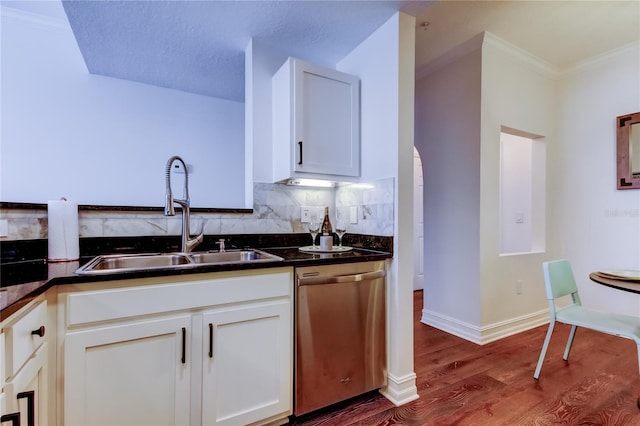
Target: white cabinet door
{"points": [[3, 405], [26, 392], [318, 134], [21, 342], [136, 373], [247, 363]]}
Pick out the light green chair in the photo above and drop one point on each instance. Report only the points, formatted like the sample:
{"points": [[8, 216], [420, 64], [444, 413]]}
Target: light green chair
{"points": [[559, 282]]}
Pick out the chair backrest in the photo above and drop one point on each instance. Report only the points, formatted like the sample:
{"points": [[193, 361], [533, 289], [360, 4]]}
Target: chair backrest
{"points": [[559, 280]]}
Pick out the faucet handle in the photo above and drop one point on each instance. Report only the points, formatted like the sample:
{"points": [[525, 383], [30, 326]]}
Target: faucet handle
{"points": [[191, 243], [221, 243]]}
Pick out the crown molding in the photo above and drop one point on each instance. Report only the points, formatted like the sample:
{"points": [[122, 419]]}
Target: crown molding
{"points": [[480, 41], [540, 65], [22, 16], [627, 49]]}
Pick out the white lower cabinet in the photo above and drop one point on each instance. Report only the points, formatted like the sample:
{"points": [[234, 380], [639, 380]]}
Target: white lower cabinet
{"points": [[3, 405], [247, 363], [129, 374], [27, 392], [24, 360], [205, 349]]}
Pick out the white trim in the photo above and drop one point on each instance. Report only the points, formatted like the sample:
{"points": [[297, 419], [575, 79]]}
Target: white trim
{"points": [[488, 333], [521, 54], [502, 329], [478, 42], [401, 390], [23, 16], [598, 59], [451, 325]]}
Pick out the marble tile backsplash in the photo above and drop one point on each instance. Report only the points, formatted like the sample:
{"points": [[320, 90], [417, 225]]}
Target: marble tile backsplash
{"points": [[276, 209]]}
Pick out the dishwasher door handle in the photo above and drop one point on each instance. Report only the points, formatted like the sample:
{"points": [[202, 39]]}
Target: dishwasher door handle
{"points": [[342, 278]]}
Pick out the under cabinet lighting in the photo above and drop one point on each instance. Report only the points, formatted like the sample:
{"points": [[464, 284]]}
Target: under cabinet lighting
{"points": [[311, 182], [361, 186]]}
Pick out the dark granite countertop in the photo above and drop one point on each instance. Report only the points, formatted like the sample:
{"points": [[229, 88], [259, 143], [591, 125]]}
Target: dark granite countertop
{"points": [[25, 278]]}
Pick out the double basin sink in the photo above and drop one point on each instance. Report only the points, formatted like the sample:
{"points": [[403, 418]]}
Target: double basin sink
{"points": [[109, 264]]}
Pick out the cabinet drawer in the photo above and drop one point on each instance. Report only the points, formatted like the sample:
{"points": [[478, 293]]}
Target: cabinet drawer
{"points": [[21, 341], [138, 300]]}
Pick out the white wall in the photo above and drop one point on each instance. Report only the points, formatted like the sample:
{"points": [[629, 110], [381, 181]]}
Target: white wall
{"points": [[261, 63], [418, 222], [518, 92], [596, 226], [462, 104], [100, 140], [523, 192], [447, 123], [589, 222], [516, 193]]}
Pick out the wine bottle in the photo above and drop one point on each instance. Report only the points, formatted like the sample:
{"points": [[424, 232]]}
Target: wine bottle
{"points": [[326, 223]]}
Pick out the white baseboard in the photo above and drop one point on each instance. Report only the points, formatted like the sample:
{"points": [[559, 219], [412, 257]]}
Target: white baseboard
{"points": [[488, 333], [401, 390]]}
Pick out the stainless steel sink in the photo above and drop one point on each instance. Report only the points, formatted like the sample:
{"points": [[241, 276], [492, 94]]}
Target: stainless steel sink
{"points": [[232, 257], [109, 264]]}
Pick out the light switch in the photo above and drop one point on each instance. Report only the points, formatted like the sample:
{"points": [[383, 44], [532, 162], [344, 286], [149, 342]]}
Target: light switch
{"points": [[353, 214]]}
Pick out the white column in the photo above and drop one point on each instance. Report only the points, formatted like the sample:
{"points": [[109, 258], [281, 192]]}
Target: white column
{"points": [[401, 387]]}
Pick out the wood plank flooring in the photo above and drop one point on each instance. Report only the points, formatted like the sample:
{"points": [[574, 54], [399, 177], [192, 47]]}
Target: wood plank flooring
{"points": [[461, 383]]}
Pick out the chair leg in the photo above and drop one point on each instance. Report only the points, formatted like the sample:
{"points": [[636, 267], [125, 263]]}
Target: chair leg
{"points": [[543, 352], [567, 349]]}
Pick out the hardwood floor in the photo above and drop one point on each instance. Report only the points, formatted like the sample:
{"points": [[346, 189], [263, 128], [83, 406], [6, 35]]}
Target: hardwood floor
{"points": [[461, 383]]}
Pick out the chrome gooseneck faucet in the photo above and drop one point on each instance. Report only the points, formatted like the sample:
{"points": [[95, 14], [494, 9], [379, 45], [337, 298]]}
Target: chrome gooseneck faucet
{"points": [[187, 243]]}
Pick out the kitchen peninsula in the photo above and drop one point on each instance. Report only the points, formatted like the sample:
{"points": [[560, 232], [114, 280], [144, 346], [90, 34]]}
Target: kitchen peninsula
{"points": [[162, 311]]}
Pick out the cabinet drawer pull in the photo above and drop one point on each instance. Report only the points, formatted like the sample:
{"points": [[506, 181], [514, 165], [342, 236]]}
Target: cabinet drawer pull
{"points": [[210, 340], [184, 344], [300, 147], [14, 418], [39, 331], [31, 409]]}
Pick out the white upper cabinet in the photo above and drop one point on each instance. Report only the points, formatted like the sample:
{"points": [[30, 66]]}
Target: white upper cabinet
{"points": [[316, 122]]}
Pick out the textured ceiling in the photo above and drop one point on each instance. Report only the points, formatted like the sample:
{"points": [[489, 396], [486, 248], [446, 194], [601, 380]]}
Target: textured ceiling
{"points": [[198, 46]]}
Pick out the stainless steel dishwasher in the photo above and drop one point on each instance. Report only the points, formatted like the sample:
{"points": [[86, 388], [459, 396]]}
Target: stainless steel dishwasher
{"points": [[340, 340]]}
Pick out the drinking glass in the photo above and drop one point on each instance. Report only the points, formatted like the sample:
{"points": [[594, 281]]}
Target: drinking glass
{"points": [[341, 229], [314, 228]]}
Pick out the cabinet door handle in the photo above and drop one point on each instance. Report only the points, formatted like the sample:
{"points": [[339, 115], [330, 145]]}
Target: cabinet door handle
{"points": [[39, 331], [300, 148], [14, 418], [210, 340], [31, 408], [184, 345]]}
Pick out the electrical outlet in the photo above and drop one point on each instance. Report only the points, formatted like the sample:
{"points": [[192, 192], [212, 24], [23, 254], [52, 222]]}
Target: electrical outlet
{"points": [[518, 286], [305, 214]]}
